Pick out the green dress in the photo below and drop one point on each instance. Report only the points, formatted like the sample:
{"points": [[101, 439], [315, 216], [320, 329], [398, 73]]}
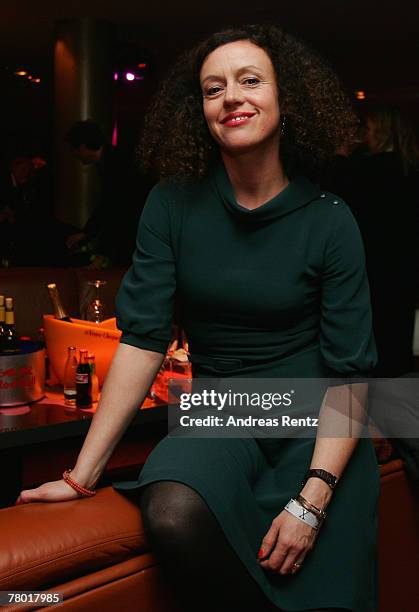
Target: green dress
{"points": [[278, 291]]}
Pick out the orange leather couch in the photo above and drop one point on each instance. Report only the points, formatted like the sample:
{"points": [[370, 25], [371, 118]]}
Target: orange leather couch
{"points": [[94, 552]]}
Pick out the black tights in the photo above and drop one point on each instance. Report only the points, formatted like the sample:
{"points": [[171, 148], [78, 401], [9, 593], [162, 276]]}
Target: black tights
{"points": [[195, 556]]}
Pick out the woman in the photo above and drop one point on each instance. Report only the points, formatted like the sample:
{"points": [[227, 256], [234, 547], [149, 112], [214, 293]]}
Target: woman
{"points": [[382, 189], [388, 131], [269, 275]]}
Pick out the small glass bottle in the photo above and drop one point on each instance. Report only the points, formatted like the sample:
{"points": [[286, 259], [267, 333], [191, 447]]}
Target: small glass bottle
{"points": [[2, 322], [71, 364], [95, 380], [59, 311], [83, 382], [180, 354], [11, 341]]}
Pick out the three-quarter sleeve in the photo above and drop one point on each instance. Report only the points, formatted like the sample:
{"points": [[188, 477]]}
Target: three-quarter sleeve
{"points": [[346, 337], [144, 303]]}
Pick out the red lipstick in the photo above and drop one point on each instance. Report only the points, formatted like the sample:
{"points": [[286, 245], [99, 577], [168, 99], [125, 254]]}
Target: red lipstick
{"points": [[237, 118]]}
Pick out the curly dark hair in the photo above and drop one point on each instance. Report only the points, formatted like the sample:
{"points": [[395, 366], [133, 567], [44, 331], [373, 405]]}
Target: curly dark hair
{"points": [[319, 116]]}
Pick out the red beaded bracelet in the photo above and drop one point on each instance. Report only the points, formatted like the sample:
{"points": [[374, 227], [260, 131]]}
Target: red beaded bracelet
{"points": [[80, 490]]}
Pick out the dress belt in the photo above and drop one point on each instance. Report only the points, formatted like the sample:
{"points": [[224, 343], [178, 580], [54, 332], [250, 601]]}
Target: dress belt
{"points": [[219, 363]]}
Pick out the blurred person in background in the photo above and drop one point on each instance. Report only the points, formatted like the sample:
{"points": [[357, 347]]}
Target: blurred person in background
{"points": [[108, 237], [28, 235], [381, 185]]}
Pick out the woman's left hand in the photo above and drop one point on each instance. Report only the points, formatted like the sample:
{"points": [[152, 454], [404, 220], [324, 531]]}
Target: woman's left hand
{"points": [[286, 544]]}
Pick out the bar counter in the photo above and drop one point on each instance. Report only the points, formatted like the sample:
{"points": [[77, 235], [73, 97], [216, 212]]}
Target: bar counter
{"points": [[39, 441]]}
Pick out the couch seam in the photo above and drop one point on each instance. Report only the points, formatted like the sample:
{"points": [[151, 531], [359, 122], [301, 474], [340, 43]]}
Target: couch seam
{"points": [[113, 580]]}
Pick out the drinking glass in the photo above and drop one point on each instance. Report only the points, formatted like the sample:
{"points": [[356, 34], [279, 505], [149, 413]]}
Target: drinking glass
{"points": [[95, 307]]}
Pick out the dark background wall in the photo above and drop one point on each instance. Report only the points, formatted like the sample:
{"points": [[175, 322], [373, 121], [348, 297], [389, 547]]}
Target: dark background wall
{"points": [[374, 46]]}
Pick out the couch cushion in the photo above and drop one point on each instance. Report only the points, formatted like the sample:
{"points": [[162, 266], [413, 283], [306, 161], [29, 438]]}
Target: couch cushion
{"points": [[398, 539], [44, 544]]}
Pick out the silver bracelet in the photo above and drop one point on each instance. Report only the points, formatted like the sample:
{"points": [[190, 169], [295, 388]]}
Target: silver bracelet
{"points": [[297, 510], [318, 512]]}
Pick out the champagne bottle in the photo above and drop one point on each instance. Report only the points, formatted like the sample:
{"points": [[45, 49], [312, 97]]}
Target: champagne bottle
{"points": [[83, 382], [71, 364], [95, 380], [59, 311], [11, 341], [2, 322]]}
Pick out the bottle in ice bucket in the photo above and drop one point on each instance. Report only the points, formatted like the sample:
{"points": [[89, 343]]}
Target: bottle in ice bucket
{"points": [[10, 338], [70, 369], [83, 382], [59, 311], [95, 380]]}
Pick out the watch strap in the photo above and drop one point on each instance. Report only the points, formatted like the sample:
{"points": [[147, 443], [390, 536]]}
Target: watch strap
{"points": [[327, 477]]}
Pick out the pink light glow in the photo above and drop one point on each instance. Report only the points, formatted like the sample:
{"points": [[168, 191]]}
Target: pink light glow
{"points": [[129, 76], [115, 76], [115, 135]]}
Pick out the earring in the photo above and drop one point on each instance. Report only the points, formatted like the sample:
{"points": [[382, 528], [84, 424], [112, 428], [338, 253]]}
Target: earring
{"points": [[283, 124]]}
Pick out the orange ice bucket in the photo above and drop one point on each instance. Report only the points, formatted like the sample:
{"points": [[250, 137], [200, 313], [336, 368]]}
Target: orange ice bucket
{"points": [[102, 339]]}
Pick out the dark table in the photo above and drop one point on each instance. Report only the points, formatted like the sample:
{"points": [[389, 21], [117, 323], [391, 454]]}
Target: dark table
{"points": [[38, 440]]}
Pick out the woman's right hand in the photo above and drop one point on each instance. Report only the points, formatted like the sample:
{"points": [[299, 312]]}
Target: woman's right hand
{"points": [[55, 491]]}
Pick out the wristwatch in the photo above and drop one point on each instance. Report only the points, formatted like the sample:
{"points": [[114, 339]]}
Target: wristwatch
{"points": [[327, 477]]}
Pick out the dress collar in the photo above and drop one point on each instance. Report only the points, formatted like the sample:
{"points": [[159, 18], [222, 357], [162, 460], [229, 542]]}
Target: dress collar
{"points": [[298, 193]]}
